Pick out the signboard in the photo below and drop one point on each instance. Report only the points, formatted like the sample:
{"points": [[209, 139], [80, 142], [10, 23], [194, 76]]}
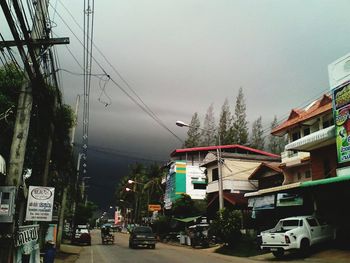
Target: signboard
{"points": [[341, 108], [26, 234], [40, 203], [153, 208], [262, 202], [286, 199]]}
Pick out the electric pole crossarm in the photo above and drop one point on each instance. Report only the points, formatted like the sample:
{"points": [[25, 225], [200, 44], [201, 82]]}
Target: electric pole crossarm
{"points": [[37, 42], [15, 35]]}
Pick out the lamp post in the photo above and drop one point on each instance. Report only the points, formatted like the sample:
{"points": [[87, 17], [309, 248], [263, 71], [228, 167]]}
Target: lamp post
{"points": [[218, 155]]}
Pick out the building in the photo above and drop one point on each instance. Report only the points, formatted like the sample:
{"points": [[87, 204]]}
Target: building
{"points": [[187, 176], [314, 181], [236, 169]]}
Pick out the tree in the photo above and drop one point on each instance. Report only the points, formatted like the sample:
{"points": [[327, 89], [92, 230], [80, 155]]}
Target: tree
{"points": [[224, 123], [227, 226], [183, 207], [273, 140], [239, 128], [193, 134], [208, 132], [257, 139]]}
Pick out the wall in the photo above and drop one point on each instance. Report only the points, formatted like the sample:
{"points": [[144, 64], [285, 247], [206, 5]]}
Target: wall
{"points": [[321, 155]]}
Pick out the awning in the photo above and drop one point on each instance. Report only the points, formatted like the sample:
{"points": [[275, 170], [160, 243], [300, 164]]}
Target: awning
{"points": [[2, 165], [187, 219], [199, 182], [273, 189], [312, 140], [325, 181]]}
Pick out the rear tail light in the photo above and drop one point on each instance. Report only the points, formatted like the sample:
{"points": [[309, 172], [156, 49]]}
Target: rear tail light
{"points": [[287, 239]]}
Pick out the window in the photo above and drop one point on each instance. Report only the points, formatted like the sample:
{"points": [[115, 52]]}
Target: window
{"points": [[200, 186], [306, 131], [215, 174], [326, 169], [327, 123], [312, 221], [307, 174], [295, 136], [299, 175]]}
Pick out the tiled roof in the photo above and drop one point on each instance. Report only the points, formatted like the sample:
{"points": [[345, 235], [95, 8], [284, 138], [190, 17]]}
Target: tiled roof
{"points": [[231, 146], [271, 165], [296, 116]]}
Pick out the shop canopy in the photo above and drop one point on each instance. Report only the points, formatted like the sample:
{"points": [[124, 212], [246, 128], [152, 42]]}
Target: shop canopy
{"points": [[281, 188], [325, 181], [187, 219]]}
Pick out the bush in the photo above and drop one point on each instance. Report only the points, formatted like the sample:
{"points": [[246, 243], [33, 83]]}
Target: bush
{"points": [[227, 226]]}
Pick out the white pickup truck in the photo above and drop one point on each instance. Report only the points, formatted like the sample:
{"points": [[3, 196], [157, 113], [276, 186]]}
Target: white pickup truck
{"points": [[296, 233]]}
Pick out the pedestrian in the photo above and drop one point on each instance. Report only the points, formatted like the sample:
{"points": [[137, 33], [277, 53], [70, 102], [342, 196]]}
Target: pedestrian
{"points": [[50, 252]]}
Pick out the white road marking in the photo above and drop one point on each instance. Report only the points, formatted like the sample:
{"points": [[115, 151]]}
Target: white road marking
{"points": [[92, 255]]}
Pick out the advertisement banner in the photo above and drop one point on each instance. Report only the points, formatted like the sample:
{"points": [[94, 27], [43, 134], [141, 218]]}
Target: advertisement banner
{"points": [[40, 203], [287, 199], [152, 208], [341, 108]]}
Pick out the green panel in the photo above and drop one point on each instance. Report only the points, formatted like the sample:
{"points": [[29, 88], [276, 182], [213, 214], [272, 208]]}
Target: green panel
{"points": [[198, 182], [325, 181], [180, 184]]}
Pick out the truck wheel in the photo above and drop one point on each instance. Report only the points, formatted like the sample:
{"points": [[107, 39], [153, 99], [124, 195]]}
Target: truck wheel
{"points": [[279, 253], [304, 247]]}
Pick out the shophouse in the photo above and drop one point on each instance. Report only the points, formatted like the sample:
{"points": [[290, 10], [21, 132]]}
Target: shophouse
{"points": [[314, 182], [236, 169]]}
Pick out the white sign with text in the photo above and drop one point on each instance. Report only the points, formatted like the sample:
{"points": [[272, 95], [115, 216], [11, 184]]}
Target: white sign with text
{"points": [[40, 203]]}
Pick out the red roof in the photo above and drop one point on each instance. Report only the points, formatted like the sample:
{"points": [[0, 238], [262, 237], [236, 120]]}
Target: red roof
{"points": [[231, 146], [296, 116], [235, 199]]}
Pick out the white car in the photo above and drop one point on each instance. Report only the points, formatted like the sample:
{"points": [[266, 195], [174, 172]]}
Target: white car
{"points": [[296, 233]]}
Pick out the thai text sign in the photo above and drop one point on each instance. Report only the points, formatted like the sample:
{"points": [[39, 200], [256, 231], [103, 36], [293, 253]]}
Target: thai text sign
{"points": [[40, 203], [341, 109], [153, 208], [26, 234]]}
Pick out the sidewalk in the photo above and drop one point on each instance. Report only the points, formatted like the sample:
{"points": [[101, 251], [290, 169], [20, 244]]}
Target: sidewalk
{"points": [[68, 253]]}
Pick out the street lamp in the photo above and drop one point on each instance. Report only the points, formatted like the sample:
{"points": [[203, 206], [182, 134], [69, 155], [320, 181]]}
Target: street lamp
{"points": [[218, 155]]}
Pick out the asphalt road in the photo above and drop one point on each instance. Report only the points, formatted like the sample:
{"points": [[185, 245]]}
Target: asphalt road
{"points": [[119, 252]]}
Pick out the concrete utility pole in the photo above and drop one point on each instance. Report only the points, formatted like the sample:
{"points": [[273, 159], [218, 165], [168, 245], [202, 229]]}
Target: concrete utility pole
{"points": [[34, 39]]}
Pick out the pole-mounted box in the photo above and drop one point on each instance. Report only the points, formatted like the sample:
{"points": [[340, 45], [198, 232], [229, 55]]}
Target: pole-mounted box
{"points": [[7, 203]]}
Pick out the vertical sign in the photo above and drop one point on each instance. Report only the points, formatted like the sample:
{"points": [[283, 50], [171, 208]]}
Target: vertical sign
{"points": [[341, 113], [40, 203]]}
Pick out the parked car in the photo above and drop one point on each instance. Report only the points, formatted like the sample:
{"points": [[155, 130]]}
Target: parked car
{"points": [[82, 236], [142, 236], [296, 233]]}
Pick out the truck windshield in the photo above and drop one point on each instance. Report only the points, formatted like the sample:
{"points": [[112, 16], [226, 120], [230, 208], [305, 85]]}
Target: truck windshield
{"points": [[287, 223]]}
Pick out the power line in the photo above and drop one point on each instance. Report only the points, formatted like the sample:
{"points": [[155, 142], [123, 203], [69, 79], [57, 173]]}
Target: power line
{"points": [[140, 104]]}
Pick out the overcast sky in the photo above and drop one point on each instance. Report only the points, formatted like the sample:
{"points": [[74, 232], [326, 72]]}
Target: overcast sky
{"points": [[182, 55]]}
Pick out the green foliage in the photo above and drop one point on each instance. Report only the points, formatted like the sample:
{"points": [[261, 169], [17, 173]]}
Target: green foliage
{"points": [[162, 225], [183, 207], [225, 123], [208, 132], [84, 212], [239, 129], [10, 84], [227, 226], [193, 133], [276, 144], [257, 139]]}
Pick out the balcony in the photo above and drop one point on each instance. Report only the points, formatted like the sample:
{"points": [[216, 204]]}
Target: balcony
{"points": [[291, 156], [314, 140], [233, 185]]}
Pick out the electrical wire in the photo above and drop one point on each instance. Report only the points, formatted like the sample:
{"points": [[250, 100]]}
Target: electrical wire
{"points": [[140, 104]]}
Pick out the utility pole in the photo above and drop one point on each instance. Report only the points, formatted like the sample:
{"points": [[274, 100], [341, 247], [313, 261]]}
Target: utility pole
{"points": [[65, 189], [35, 81]]}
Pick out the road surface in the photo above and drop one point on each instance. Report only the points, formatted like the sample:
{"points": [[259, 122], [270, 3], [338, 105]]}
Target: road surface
{"points": [[120, 252]]}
